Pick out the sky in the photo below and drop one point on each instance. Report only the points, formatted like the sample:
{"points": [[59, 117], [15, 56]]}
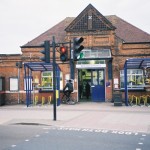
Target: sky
{"points": [[23, 20]]}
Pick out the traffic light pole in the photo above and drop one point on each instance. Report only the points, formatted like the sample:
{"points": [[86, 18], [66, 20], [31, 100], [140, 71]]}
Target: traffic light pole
{"points": [[71, 63], [54, 79]]}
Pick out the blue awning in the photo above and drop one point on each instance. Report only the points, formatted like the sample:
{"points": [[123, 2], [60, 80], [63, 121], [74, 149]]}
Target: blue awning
{"points": [[137, 63], [39, 66]]}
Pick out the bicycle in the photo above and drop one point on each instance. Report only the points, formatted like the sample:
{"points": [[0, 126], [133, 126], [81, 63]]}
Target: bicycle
{"points": [[68, 99]]}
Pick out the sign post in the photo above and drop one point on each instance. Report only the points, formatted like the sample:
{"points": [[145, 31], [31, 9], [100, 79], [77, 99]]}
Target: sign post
{"points": [[54, 79]]}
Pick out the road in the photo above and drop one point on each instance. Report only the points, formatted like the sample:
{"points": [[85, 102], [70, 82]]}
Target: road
{"points": [[40, 137], [84, 126]]}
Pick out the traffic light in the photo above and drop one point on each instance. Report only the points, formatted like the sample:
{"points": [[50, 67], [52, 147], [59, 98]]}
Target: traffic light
{"points": [[46, 52], [63, 53], [77, 48]]}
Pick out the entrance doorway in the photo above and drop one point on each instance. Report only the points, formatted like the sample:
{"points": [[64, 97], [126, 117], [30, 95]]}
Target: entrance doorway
{"points": [[94, 78]]}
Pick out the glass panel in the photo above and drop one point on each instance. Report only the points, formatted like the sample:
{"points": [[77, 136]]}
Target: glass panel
{"points": [[101, 77], [47, 79], [94, 75], [91, 62], [96, 53], [135, 79]]}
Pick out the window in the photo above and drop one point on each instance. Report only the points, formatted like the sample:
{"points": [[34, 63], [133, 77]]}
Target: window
{"points": [[96, 53], [13, 84], [135, 79], [47, 80]]}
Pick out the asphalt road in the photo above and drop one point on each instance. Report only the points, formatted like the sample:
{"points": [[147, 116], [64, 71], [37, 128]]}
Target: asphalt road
{"points": [[40, 137]]}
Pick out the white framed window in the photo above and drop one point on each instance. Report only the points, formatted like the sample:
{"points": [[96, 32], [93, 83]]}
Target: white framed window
{"points": [[135, 79], [13, 83], [47, 80]]}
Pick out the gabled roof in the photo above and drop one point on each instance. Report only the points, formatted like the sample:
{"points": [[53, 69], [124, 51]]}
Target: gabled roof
{"points": [[124, 30], [90, 19], [128, 32], [58, 31]]}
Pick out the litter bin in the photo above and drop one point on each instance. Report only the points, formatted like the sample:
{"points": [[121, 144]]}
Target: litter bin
{"points": [[2, 98], [117, 98], [2, 91]]}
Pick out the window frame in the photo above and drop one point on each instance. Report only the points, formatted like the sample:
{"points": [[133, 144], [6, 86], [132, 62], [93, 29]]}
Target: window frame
{"points": [[13, 84], [132, 74], [50, 87]]}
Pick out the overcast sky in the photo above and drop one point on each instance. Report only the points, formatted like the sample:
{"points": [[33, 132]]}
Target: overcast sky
{"points": [[23, 20]]}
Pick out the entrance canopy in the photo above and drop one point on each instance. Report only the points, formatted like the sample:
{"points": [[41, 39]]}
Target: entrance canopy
{"points": [[134, 63]]}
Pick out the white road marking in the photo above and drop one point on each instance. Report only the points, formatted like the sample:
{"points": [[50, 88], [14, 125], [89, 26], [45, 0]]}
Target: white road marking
{"points": [[46, 132], [140, 143], [13, 145], [93, 130], [46, 128], [27, 140], [143, 134]]}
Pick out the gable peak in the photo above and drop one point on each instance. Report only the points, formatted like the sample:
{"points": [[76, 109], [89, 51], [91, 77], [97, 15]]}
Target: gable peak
{"points": [[89, 19]]}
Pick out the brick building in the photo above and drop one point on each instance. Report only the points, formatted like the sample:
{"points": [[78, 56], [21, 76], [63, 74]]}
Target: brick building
{"points": [[108, 42]]}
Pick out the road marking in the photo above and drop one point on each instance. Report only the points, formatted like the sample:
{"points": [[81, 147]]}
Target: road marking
{"points": [[143, 134], [27, 140], [46, 132], [46, 128], [138, 149], [140, 143], [37, 135], [93, 130], [13, 145]]}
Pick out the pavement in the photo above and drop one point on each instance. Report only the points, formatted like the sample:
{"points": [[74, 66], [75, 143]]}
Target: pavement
{"points": [[89, 115]]}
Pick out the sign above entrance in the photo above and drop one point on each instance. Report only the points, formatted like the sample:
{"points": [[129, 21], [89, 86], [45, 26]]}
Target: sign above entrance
{"points": [[96, 53], [90, 66]]}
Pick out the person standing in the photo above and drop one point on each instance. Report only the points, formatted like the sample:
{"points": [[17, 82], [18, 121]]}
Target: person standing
{"points": [[87, 87], [80, 90]]}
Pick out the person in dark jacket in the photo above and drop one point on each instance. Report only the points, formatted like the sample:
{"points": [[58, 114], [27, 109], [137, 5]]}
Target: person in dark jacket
{"points": [[68, 88], [80, 90], [87, 88]]}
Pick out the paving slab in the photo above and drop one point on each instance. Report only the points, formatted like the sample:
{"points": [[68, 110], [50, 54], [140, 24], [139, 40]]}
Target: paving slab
{"points": [[82, 115]]}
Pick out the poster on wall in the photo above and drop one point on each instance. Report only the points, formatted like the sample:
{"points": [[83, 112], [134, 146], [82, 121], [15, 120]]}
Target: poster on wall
{"points": [[13, 84]]}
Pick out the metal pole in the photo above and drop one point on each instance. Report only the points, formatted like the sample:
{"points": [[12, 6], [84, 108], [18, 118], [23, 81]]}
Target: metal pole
{"points": [[18, 84], [125, 82], [71, 62], [54, 79]]}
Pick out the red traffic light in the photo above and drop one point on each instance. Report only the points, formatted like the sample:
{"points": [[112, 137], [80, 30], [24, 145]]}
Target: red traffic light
{"points": [[63, 54], [63, 49]]}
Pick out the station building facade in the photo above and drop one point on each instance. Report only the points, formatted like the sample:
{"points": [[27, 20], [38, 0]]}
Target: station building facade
{"points": [[108, 42]]}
